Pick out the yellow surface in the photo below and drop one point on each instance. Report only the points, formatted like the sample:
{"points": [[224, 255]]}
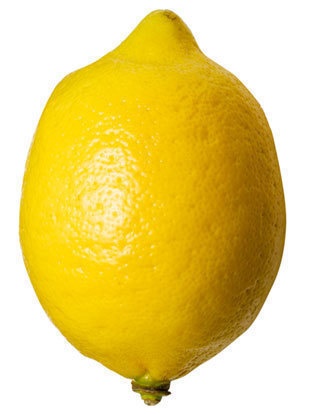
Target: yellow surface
{"points": [[152, 215]]}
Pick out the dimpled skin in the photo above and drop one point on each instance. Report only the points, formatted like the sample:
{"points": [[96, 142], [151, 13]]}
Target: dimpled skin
{"points": [[152, 216]]}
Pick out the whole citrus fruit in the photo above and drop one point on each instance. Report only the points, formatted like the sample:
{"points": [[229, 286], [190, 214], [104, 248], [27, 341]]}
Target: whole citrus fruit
{"points": [[152, 216]]}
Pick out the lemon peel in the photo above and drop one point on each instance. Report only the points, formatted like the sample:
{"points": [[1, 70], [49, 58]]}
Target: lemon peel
{"points": [[152, 217]]}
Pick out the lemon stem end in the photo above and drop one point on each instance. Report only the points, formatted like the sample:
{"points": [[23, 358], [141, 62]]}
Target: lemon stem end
{"points": [[151, 393]]}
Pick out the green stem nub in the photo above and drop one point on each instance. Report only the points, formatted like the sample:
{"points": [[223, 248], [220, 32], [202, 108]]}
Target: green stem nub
{"points": [[151, 394]]}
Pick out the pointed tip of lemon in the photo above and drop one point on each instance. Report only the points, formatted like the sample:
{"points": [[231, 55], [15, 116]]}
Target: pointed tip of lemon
{"points": [[161, 37], [162, 13]]}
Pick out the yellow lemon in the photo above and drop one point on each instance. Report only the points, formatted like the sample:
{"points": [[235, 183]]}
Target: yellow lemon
{"points": [[152, 216]]}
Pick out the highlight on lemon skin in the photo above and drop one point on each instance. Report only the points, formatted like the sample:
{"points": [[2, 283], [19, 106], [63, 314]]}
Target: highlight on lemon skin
{"points": [[152, 216]]}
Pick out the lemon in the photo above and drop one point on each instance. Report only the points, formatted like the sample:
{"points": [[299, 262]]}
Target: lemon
{"points": [[152, 217]]}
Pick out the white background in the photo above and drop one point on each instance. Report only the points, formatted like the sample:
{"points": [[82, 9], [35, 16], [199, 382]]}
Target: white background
{"points": [[266, 44]]}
